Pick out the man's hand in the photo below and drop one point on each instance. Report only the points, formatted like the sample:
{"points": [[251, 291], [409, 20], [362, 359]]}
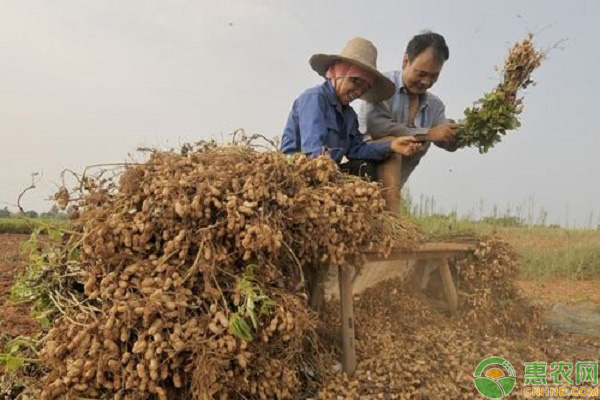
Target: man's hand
{"points": [[443, 133], [405, 145]]}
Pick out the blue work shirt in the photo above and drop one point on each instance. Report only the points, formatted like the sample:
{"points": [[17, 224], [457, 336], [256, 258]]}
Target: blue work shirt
{"points": [[318, 123]]}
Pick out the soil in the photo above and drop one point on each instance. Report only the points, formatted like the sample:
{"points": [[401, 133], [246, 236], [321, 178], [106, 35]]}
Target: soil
{"points": [[552, 292], [571, 306], [15, 319]]}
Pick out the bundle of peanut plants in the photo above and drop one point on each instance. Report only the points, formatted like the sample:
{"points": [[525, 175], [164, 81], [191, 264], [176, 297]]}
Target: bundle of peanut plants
{"points": [[185, 275], [497, 111]]}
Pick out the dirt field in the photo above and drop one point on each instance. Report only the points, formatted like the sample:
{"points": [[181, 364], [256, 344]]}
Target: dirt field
{"points": [[561, 291], [14, 319]]}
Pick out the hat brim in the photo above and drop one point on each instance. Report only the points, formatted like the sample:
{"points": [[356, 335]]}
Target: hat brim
{"points": [[382, 89]]}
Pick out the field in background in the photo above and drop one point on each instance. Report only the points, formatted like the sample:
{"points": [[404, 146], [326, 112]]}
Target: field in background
{"points": [[547, 252], [27, 225]]}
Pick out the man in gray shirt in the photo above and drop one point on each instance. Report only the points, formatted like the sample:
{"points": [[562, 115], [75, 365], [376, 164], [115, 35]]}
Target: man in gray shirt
{"points": [[412, 109]]}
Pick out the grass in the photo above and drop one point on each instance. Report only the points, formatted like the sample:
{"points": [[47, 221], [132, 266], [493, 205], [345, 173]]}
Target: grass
{"points": [[27, 225], [547, 252]]}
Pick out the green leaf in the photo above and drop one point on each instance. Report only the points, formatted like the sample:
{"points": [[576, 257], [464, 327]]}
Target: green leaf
{"points": [[74, 255], [240, 328], [13, 364], [54, 234]]}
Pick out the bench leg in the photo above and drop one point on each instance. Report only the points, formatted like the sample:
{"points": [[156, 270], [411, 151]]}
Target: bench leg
{"points": [[316, 284], [449, 288], [347, 308]]}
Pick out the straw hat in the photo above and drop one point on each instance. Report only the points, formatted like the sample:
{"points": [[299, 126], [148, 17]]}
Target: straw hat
{"points": [[362, 53]]}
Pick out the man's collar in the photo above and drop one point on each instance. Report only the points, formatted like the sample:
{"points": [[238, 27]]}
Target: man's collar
{"points": [[332, 97], [330, 94]]}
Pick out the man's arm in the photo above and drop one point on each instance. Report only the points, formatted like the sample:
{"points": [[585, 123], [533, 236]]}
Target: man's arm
{"points": [[379, 122], [359, 149]]}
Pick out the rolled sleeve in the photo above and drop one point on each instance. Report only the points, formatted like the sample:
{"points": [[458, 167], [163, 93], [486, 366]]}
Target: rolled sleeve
{"points": [[379, 122]]}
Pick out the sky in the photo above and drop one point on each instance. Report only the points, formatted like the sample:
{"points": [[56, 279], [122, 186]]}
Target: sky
{"points": [[88, 82]]}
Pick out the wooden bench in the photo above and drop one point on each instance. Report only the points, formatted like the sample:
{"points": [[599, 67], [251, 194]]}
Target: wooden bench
{"points": [[441, 251]]}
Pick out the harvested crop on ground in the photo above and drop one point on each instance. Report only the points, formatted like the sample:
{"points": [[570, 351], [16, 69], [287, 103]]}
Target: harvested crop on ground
{"points": [[410, 350], [497, 111], [184, 276]]}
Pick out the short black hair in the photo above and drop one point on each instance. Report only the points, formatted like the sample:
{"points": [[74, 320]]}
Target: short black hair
{"points": [[421, 42]]}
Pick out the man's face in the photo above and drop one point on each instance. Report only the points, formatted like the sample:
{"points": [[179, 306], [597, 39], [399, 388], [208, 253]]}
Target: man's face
{"points": [[350, 89], [420, 74]]}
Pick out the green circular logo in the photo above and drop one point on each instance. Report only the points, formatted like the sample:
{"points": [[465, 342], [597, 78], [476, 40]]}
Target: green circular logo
{"points": [[497, 381]]}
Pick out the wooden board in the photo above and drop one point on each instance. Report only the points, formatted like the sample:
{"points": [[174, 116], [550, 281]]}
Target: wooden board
{"points": [[433, 250], [425, 251]]}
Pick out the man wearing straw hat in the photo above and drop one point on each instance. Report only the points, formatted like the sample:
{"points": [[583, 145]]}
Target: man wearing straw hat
{"points": [[322, 122]]}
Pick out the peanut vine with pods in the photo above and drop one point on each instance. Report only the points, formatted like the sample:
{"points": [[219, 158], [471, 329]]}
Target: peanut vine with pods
{"points": [[184, 275], [497, 111]]}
